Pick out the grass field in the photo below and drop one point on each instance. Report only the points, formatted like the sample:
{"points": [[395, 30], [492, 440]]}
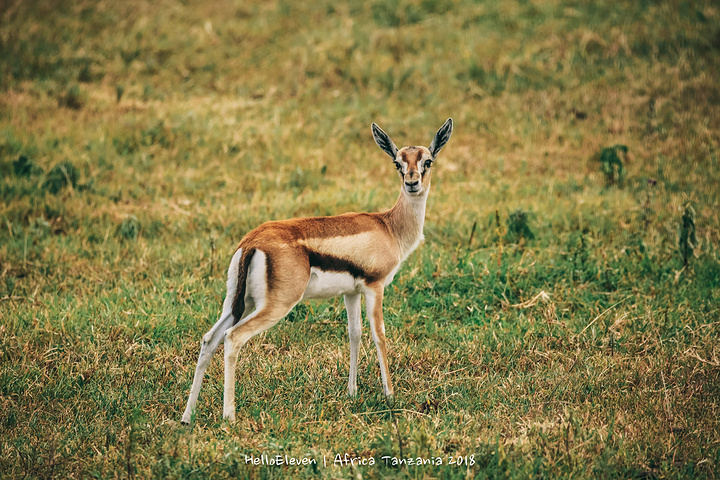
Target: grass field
{"points": [[561, 318]]}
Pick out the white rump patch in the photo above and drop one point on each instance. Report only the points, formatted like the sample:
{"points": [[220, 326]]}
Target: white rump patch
{"points": [[255, 283], [232, 281]]}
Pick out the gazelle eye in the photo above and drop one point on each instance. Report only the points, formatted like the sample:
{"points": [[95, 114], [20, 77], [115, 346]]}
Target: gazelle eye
{"points": [[428, 164], [398, 166]]}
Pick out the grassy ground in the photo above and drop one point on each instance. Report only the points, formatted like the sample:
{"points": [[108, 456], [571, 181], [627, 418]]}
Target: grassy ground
{"points": [[558, 321]]}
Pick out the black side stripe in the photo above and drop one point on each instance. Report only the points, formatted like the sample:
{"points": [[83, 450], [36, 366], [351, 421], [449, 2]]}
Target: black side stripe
{"points": [[330, 263]]}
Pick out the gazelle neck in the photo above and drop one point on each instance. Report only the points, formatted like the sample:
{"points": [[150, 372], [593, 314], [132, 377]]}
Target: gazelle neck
{"points": [[406, 220]]}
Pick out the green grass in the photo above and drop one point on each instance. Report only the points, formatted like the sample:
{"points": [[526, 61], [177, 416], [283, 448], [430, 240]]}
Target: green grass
{"points": [[551, 325]]}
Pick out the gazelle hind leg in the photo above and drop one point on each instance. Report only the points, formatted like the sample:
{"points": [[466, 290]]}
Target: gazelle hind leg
{"points": [[273, 300], [235, 338], [373, 301], [209, 345], [353, 307], [211, 340]]}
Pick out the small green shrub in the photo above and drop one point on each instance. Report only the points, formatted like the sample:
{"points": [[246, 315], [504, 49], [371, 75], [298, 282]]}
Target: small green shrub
{"points": [[518, 228], [395, 14], [62, 175], [611, 164], [85, 75], [9, 144], [126, 145], [25, 167], [492, 82], [72, 98], [688, 238], [158, 134], [129, 228], [119, 91]]}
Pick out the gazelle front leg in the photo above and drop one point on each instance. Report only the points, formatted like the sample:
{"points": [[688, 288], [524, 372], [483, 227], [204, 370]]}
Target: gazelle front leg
{"points": [[373, 304], [352, 305]]}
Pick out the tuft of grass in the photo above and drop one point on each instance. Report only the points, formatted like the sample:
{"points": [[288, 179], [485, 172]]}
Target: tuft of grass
{"points": [[129, 228], [611, 164], [687, 240], [25, 167], [518, 227], [62, 175], [119, 91], [72, 98]]}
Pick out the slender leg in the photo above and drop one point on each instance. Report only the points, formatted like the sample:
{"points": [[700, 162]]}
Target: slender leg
{"points": [[235, 339], [210, 342], [276, 283], [373, 301], [353, 307]]}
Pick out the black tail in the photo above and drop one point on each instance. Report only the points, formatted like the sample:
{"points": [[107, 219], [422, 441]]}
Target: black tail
{"points": [[238, 307]]}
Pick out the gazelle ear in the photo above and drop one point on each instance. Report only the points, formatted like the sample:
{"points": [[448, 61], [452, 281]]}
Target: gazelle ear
{"points": [[441, 137], [384, 141]]}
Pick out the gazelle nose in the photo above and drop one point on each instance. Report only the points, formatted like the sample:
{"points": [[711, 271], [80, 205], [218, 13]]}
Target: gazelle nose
{"points": [[412, 184]]}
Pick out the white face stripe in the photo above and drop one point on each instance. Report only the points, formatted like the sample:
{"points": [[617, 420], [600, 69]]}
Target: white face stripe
{"points": [[420, 163], [403, 165], [423, 160]]}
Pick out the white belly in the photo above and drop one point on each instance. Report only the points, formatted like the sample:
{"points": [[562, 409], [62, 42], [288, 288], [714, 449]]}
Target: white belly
{"points": [[324, 284]]}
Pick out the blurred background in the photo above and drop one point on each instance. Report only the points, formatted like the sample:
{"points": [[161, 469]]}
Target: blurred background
{"points": [[226, 104]]}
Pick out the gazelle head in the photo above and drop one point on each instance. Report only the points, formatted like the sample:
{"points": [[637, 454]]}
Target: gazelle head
{"points": [[414, 163]]}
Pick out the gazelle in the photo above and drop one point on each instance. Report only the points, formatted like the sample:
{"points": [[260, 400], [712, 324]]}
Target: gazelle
{"points": [[282, 262]]}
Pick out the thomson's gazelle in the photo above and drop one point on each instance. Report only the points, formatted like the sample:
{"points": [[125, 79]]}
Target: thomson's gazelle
{"points": [[280, 263]]}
